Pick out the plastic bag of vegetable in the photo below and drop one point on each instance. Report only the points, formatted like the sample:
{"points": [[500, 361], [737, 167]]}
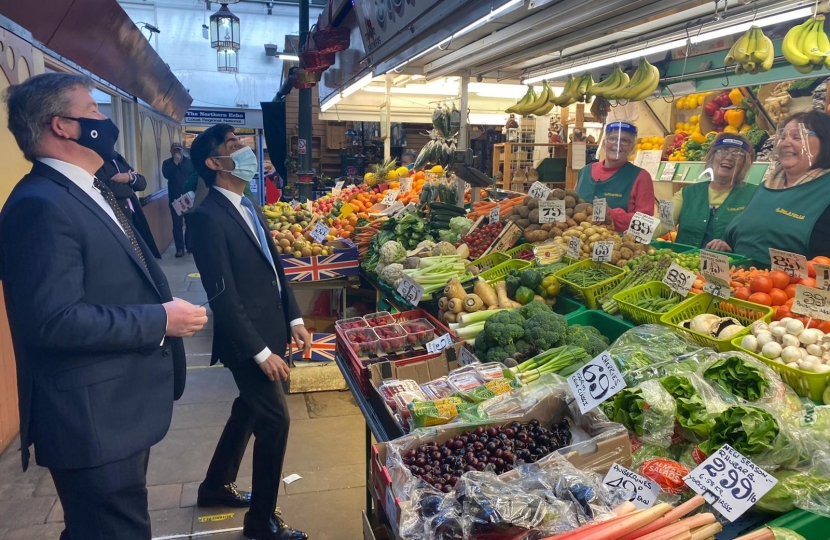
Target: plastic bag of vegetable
{"points": [[641, 350], [696, 404], [647, 410]]}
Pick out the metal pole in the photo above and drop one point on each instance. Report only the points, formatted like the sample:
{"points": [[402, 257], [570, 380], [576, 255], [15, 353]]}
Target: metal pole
{"points": [[387, 141], [304, 172], [463, 136]]}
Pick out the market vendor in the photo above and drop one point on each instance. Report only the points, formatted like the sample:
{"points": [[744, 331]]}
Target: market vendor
{"points": [[791, 208], [703, 211], [626, 188]]}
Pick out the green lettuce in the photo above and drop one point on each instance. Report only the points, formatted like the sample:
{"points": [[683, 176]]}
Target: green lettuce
{"points": [[753, 432], [691, 410], [738, 377]]}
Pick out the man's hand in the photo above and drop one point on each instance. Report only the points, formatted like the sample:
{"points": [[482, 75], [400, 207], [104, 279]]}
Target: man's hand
{"points": [[302, 339], [121, 178], [719, 245], [183, 318], [275, 368], [177, 158]]}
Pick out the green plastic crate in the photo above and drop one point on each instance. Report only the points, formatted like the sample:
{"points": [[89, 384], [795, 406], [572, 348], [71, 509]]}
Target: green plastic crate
{"points": [[567, 306], [498, 272], [810, 526], [489, 261], [697, 304], [674, 246], [590, 296], [513, 251], [608, 325], [625, 300]]}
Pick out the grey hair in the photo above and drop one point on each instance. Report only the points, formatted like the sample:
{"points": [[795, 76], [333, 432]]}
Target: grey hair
{"points": [[33, 103]]}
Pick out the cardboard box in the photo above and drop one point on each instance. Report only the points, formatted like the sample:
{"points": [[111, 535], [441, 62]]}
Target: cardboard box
{"points": [[344, 262], [321, 325], [506, 239]]}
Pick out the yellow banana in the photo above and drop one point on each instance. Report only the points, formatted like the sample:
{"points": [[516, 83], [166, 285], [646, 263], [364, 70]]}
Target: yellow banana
{"points": [[805, 69], [766, 65], [810, 47], [623, 81], [564, 99], [648, 86], [522, 102], [537, 103], [611, 83], [761, 50], [742, 51], [789, 47], [730, 56], [824, 44], [633, 86]]}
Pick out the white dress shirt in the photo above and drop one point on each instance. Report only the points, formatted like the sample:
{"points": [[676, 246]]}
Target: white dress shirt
{"points": [[236, 200]]}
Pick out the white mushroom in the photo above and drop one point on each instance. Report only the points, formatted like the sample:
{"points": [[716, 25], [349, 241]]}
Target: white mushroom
{"points": [[794, 327], [788, 354], [772, 350], [789, 341], [764, 338], [815, 350], [759, 326], [809, 336], [750, 343], [779, 332]]}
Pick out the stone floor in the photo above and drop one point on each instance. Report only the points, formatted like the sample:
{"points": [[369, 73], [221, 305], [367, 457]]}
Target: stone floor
{"points": [[325, 447]]}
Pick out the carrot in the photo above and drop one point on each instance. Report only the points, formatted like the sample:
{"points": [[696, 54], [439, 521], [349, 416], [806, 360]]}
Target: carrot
{"points": [[702, 533], [678, 527], [670, 517]]}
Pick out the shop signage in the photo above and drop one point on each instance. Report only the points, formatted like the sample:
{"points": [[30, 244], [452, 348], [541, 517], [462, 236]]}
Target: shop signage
{"points": [[410, 290], [812, 302], [574, 247], [235, 118], [603, 251], [379, 22], [551, 211], [439, 344], [642, 227], [793, 264], [301, 146], [596, 382], [643, 491]]}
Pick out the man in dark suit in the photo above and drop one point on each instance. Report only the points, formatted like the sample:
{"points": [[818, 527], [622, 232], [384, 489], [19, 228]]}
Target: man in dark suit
{"points": [[176, 170], [254, 317], [96, 332]]}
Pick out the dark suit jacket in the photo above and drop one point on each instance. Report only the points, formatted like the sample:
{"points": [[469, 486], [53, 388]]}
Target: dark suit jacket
{"points": [[250, 313], [94, 383], [176, 176]]}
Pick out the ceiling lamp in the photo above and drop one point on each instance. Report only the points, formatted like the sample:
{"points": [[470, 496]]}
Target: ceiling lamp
{"points": [[225, 38], [227, 60]]}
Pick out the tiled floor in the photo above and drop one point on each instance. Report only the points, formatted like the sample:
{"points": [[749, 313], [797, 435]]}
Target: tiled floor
{"points": [[325, 448]]}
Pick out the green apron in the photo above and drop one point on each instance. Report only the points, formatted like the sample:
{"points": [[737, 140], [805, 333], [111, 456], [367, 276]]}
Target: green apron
{"points": [[698, 223], [616, 190], [780, 218]]}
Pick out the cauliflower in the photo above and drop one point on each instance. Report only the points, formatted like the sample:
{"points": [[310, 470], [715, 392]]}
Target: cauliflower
{"points": [[392, 252], [443, 248], [392, 273]]}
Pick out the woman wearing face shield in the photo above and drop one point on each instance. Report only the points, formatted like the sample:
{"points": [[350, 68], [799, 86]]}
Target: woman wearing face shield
{"points": [[626, 188], [791, 209], [704, 210]]}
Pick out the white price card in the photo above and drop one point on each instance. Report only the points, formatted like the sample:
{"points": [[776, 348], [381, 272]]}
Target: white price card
{"points": [[666, 210], [600, 206], [602, 251], [539, 191], [494, 215], [338, 188], [465, 357], [822, 276], [406, 184], [714, 265], [439, 344], [679, 279], [595, 382], [729, 482], [642, 227], [791, 263], [812, 302], [552, 211], [320, 231], [390, 197], [716, 287], [574, 247], [643, 492], [410, 291]]}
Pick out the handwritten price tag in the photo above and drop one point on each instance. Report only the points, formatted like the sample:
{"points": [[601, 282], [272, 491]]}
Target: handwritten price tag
{"points": [[494, 215], [643, 491], [406, 184], [731, 483], [574, 247], [822, 276], [390, 197], [600, 206], [338, 187], [812, 302], [595, 382], [465, 357], [552, 211], [642, 227], [539, 191], [666, 210], [791, 263], [679, 279], [410, 291], [439, 344], [715, 265], [319, 232], [602, 251]]}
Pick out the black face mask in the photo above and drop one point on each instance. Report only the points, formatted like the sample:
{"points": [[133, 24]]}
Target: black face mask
{"points": [[98, 135]]}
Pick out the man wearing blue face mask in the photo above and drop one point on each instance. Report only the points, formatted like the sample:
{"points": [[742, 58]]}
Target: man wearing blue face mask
{"points": [[254, 316]]}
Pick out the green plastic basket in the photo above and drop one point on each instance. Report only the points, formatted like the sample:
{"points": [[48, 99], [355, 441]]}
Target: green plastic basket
{"points": [[608, 325], [498, 272], [513, 251], [746, 312], [489, 261], [567, 306], [590, 296], [805, 383], [625, 300], [674, 246], [810, 526]]}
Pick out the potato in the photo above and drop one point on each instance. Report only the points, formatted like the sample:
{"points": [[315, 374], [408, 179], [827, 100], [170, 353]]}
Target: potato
{"points": [[569, 212], [523, 223], [534, 203], [536, 236], [580, 207], [580, 217], [558, 194], [570, 202], [571, 193], [534, 227], [546, 227], [524, 211], [533, 215]]}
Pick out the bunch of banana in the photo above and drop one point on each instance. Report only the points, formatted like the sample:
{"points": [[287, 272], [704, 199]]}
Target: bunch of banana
{"points": [[541, 106], [643, 84], [575, 90], [529, 97], [751, 53], [612, 84], [806, 46]]}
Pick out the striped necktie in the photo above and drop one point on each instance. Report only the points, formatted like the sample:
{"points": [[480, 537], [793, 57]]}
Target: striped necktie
{"points": [[109, 196]]}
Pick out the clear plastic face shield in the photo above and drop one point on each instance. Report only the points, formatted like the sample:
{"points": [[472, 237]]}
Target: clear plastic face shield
{"points": [[795, 146], [620, 140], [729, 163]]}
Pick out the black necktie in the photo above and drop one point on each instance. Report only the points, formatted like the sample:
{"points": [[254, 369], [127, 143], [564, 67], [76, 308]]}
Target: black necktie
{"points": [[122, 219]]}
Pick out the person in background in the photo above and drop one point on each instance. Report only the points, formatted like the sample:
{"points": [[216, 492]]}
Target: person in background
{"points": [[176, 170], [703, 211], [626, 188], [255, 315], [96, 332], [123, 181], [408, 160], [791, 208]]}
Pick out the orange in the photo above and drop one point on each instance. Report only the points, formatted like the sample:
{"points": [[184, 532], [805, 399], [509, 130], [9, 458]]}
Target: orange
{"points": [[794, 279], [811, 270], [760, 284], [742, 293], [760, 298], [809, 282], [790, 290], [780, 279], [778, 296], [821, 260]]}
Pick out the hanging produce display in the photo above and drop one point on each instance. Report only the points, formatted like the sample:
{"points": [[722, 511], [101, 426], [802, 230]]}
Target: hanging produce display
{"points": [[806, 46], [439, 150], [752, 53]]}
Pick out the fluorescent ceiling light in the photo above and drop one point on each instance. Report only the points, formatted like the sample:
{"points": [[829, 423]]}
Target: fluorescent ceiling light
{"points": [[358, 85], [332, 101], [423, 89], [675, 42], [289, 57], [482, 21], [494, 90]]}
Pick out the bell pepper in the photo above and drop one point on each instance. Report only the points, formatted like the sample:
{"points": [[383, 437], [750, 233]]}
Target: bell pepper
{"points": [[719, 118], [736, 97], [711, 108], [524, 295], [730, 129], [698, 137], [531, 279], [723, 99], [734, 117], [512, 282], [693, 145]]}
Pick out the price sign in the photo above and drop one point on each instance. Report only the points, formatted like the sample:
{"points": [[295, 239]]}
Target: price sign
{"points": [[439, 344], [552, 211], [666, 210], [812, 302], [643, 491], [715, 265], [822, 276], [791, 263], [602, 251], [319, 232], [539, 191], [600, 206], [642, 227], [465, 357], [494, 215], [730, 482], [406, 184], [410, 291], [339, 184], [595, 382], [390, 197], [574, 247], [716, 287], [679, 279]]}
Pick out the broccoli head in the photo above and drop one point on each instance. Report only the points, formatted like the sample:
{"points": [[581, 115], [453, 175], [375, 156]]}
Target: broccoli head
{"points": [[501, 332], [498, 354], [586, 337], [545, 330], [532, 308]]}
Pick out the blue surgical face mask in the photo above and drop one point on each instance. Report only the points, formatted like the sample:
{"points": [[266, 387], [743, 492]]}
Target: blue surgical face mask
{"points": [[245, 164]]}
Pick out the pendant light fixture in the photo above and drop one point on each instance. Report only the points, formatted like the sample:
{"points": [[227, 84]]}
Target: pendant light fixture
{"points": [[225, 38]]}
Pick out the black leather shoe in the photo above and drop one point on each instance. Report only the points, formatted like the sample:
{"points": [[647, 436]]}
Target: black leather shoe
{"points": [[179, 253], [224, 496], [275, 529]]}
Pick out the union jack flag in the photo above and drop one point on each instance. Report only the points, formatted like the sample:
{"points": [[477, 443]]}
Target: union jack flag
{"points": [[319, 268], [322, 349]]}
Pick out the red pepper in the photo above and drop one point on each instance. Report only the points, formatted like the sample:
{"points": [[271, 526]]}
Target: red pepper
{"points": [[723, 99], [711, 107], [718, 118]]}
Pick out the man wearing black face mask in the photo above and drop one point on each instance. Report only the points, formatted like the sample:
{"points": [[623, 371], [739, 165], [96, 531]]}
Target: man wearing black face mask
{"points": [[96, 332], [176, 170]]}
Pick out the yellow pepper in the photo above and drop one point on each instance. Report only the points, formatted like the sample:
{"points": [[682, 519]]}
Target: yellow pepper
{"points": [[698, 137], [735, 97], [730, 129], [734, 117]]}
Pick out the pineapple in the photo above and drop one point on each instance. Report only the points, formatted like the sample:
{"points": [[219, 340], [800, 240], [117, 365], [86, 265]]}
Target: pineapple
{"points": [[379, 172]]}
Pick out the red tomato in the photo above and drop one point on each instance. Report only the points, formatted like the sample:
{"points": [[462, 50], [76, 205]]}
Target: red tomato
{"points": [[811, 270], [794, 280], [761, 298], [809, 282], [760, 284], [824, 326], [780, 279], [781, 312], [790, 290], [821, 260], [778, 296], [742, 293]]}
